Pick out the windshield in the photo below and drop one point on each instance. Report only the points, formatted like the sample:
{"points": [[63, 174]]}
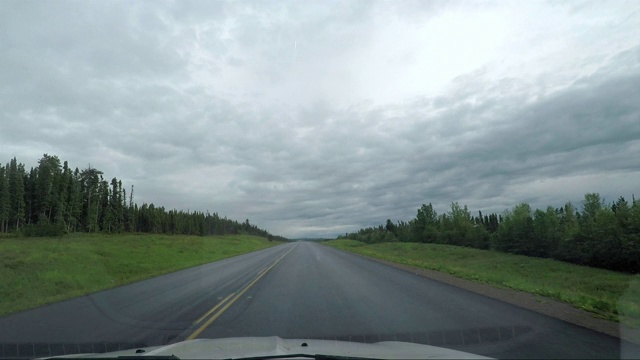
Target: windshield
{"points": [[462, 175]]}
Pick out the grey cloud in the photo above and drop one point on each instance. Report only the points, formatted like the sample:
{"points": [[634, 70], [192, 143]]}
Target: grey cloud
{"points": [[239, 108]]}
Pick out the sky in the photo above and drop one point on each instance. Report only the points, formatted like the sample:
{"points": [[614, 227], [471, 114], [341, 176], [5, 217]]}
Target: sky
{"points": [[317, 118]]}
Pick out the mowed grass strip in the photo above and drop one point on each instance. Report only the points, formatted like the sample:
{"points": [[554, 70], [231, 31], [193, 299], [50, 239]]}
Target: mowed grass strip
{"points": [[38, 271], [608, 294]]}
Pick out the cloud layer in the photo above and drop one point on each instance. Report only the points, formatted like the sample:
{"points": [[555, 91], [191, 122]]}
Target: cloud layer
{"points": [[314, 119]]}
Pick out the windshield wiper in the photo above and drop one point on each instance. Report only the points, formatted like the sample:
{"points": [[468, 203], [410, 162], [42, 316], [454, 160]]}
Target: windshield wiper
{"points": [[127, 357], [287, 356], [306, 356], [152, 357]]}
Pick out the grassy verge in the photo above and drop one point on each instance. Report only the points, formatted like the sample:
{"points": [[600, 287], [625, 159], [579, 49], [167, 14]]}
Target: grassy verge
{"points": [[608, 294], [38, 271]]}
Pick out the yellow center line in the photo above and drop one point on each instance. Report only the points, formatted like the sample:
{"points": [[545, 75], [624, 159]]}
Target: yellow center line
{"points": [[228, 304], [213, 309]]}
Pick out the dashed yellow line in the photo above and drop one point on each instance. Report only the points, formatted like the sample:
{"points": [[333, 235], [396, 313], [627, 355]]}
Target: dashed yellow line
{"points": [[228, 304]]}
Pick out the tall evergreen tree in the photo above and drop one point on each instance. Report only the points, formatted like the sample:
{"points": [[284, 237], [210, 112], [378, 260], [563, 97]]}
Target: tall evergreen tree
{"points": [[4, 199], [16, 193], [116, 205], [106, 213], [47, 186], [90, 182], [31, 196], [74, 201], [132, 213]]}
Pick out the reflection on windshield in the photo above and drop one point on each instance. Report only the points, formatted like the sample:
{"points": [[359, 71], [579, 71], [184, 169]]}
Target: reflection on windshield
{"points": [[458, 175]]}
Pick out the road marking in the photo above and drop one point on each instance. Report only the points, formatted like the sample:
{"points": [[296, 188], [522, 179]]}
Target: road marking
{"points": [[213, 309], [228, 304]]}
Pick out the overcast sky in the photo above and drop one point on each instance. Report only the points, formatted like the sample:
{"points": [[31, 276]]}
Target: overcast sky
{"points": [[318, 118]]}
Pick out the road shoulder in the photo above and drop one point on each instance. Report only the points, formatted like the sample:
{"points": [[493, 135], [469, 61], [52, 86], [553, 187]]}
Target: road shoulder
{"points": [[537, 303]]}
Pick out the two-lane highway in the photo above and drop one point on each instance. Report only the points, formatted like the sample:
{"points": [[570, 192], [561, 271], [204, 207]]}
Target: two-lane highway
{"points": [[303, 290]]}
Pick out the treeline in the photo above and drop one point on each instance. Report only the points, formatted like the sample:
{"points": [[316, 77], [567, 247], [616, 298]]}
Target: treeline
{"points": [[52, 199], [601, 235]]}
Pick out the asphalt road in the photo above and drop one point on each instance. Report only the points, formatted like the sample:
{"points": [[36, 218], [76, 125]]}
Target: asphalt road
{"points": [[298, 290]]}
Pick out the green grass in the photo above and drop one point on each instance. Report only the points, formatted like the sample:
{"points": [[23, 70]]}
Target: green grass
{"points": [[610, 295], [38, 271]]}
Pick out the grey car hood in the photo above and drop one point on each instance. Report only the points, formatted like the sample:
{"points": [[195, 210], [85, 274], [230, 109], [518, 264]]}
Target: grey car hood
{"points": [[250, 347]]}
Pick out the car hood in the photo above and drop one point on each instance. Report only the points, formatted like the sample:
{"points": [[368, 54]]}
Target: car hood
{"points": [[273, 347]]}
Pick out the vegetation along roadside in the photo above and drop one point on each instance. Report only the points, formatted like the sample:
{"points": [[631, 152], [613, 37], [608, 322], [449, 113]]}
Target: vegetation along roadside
{"points": [[38, 271]]}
